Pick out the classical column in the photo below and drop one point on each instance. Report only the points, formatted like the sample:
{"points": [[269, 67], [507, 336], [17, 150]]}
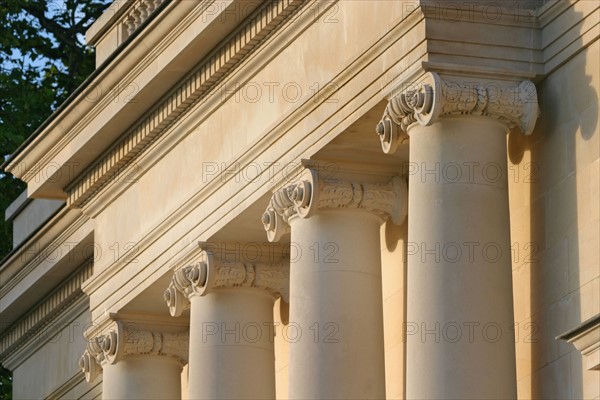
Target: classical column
{"points": [[232, 352], [335, 333], [135, 363], [459, 328]]}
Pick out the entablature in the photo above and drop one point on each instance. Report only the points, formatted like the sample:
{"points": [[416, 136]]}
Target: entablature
{"points": [[120, 93], [118, 22], [201, 214], [41, 323], [41, 263], [517, 40]]}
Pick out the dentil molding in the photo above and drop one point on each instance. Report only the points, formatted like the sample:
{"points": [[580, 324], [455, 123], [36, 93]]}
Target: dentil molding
{"points": [[211, 274], [197, 86], [312, 192], [514, 105], [124, 340]]}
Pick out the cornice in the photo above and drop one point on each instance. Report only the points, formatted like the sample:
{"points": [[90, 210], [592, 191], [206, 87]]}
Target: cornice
{"points": [[512, 104], [312, 193], [13, 357], [568, 27], [552, 9], [217, 64], [115, 80], [247, 68], [91, 108], [586, 339], [135, 70], [64, 224], [380, 86], [33, 322]]}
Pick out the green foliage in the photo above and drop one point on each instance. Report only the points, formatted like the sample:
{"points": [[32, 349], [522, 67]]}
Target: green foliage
{"points": [[5, 384], [44, 40], [43, 58]]}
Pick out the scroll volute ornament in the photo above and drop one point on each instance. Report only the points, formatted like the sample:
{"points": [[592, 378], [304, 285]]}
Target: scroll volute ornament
{"points": [[106, 348], [124, 340], [414, 105], [90, 366], [433, 98], [212, 273], [186, 282], [176, 301], [92, 358], [303, 198], [274, 224], [296, 199]]}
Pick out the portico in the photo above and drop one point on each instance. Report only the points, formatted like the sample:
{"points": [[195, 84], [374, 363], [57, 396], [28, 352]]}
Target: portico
{"points": [[352, 240], [332, 220]]}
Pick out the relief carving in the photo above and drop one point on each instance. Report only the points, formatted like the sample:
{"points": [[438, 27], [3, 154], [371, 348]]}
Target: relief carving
{"points": [[124, 340], [513, 105], [303, 198], [213, 274]]}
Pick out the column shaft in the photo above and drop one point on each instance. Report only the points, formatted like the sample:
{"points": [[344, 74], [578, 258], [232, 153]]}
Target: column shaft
{"points": [[336, 319], [460, 304], [142, 377], [231, 345]]}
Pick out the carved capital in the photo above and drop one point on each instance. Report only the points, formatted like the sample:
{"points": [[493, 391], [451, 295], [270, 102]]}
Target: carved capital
{"points": [[304, 197], [124, 340], [212, 274], [513, 105]]}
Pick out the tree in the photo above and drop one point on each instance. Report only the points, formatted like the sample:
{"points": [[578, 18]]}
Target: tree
{"points": [[5, 384], [43, 58]]}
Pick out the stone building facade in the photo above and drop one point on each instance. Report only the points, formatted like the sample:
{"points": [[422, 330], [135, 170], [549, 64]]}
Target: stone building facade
{"points": [[315, 199]]}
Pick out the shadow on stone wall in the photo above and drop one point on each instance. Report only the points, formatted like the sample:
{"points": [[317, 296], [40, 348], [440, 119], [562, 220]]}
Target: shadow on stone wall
{"points": [[561, 151]]}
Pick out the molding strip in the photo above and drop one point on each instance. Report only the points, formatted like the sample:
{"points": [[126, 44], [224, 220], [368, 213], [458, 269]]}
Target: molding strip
{"points": [[218, 64], [274, 133], [31, 324]]}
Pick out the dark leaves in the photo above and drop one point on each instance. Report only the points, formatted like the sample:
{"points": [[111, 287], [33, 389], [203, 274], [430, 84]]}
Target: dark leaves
{"points": [[42, 60]]}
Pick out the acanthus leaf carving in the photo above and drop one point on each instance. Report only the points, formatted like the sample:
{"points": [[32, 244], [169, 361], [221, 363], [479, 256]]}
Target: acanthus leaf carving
{"points": [[213, 274], [274, 278], [302, 198], [435, 98], [124, 340]]}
